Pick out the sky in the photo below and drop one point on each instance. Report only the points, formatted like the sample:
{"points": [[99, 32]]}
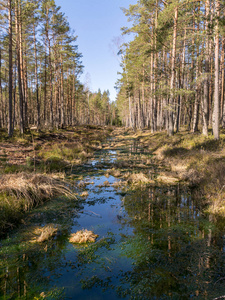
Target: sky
{"points": [[97, 24]]}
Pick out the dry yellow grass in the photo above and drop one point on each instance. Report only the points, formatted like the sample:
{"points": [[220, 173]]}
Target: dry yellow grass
{"points": [[84, 194], [47, 233], [119, 184], [138, 178], [38, 234], [114, 172], [34, 188], [82, 237], [167, 179], [83, 184], [106, 183]]}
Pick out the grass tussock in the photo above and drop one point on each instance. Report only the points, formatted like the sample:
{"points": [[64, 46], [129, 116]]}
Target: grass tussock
{"points": [[114, 172], [119, 184], [34, 189], [47, 232], [20, 193], [138, 178], [106, 183], [83, 184], [82, 237], [84, 194]]}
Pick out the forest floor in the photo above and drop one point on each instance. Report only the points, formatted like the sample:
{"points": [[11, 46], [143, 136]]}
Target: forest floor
{"points": [[49, 151], [37, 166]]}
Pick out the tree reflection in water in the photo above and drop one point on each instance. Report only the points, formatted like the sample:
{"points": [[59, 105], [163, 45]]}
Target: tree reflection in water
{"points": [[178, 250]]}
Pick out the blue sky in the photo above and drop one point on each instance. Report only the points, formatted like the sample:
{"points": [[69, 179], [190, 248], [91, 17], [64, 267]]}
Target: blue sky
{"points": [[97, 23]]}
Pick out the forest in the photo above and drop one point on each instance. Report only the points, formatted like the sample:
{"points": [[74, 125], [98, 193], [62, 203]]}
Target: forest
{"points": [[40, 66], [173, 69]]}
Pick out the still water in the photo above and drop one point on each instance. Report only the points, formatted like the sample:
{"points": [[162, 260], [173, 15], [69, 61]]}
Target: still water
{"points": [[154, 243]]}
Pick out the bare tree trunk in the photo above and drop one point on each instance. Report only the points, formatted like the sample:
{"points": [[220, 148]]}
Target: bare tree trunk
{"points": [[222, 80], [198, 88], [36, 79], [19, 53], [205, 102], [50, 69], [45, 85], [216, 111], [173, 73], [62, 96], [10, 118], [1, 99]]}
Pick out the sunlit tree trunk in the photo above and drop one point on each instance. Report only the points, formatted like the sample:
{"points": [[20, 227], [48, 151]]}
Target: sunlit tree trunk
{"points": [[216, 111], [173, 73], [19, 67], [205, 101], [10, 116]]}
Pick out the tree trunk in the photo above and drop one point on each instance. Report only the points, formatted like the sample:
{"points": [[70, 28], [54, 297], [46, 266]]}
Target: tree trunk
{"points": [[19, 67], [216, 111], [36, 80], [205, 102], [62, 95], [10, 117], [173, 73]]}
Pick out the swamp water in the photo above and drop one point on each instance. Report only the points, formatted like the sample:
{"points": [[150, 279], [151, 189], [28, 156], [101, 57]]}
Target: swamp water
{"points": [[154, 242]]}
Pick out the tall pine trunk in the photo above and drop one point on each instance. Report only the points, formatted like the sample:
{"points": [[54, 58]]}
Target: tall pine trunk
{"points": [[216, 111], [173, 74], [36, 80], [10, 117]]}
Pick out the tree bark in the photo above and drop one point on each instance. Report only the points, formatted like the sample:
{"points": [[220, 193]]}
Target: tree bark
{"points": [[36, 79], [216, 111], [10, 117], [173, 73], [19, 67]]}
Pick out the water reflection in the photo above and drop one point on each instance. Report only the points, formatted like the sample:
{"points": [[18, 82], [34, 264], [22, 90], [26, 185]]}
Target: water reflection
{"points": [[178, 251]]}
